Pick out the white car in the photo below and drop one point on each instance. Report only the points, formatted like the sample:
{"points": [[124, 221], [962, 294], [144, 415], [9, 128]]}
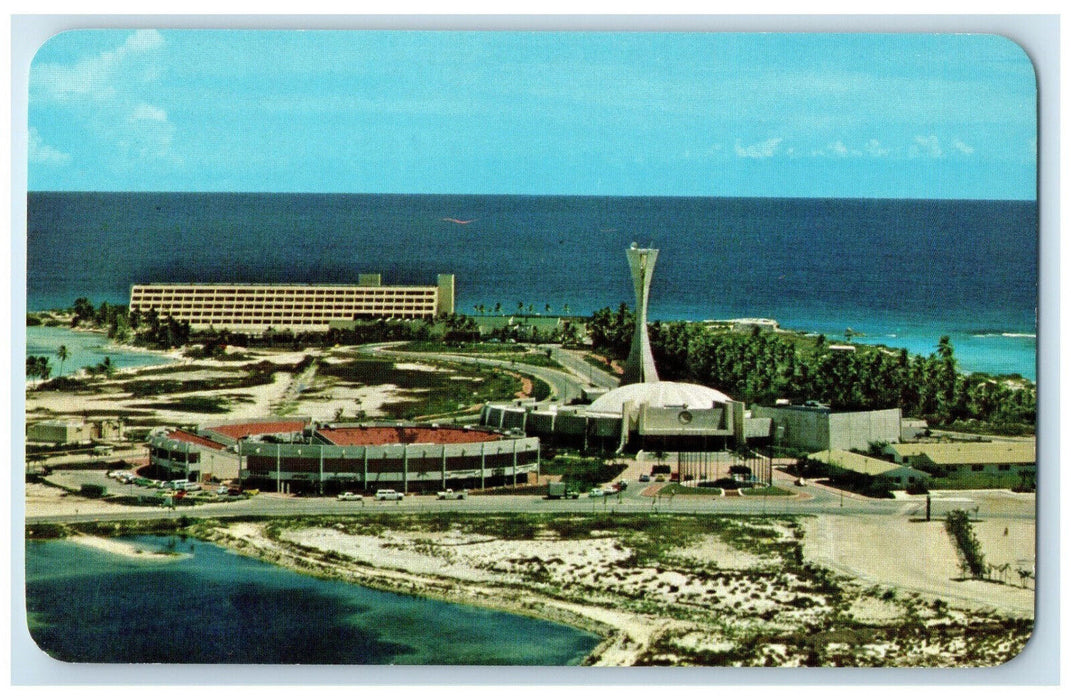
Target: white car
{"points": [[388, 495], [452, 495], [596, 493], [350, 496]]}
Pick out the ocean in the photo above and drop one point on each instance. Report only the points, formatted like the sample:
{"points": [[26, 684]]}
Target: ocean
{"points": [[899, 272], [213, 606]]}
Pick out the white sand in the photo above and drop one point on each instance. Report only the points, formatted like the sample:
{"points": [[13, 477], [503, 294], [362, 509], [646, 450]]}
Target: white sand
{"points": [[125, 549], [920, 556]]}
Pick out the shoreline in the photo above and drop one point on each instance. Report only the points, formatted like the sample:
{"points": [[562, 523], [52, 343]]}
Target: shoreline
{"points": [[305, 561], [593, 583], [124, 549], [915, 337]]}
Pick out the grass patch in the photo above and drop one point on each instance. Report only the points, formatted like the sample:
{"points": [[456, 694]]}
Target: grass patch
{"points": [[765, 491], [435, 393], [674, 489]]}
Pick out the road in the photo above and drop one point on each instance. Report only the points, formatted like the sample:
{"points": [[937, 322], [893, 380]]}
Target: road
{"points": [[575, 363], [813, 498], [808, 500], [564, 386]]}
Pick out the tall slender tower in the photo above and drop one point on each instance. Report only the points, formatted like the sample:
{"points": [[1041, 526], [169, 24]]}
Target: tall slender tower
{"points": [[640, 366]]}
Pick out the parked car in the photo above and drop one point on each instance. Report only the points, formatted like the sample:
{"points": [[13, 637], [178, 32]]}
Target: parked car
{"points": [[222, 491], [350, 496], [388, 495], [596, 493], [644, 478], [452, 495]]}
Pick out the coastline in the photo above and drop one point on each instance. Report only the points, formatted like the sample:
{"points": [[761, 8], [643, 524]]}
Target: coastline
{"points": [[248, 540], [124, 549], [699, 600]]}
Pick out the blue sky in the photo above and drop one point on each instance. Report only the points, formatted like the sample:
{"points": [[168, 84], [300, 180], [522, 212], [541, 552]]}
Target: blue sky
{"points": [[805, 115]]}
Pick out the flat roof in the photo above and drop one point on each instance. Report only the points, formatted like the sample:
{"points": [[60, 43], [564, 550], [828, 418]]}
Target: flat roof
{"points": [[272, 285], [404, 435], [858, 463], [238, 431], [184, 436], [982, 453]]}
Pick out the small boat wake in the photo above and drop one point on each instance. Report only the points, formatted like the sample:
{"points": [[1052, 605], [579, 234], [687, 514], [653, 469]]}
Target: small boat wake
{"points": [[460, 222]]}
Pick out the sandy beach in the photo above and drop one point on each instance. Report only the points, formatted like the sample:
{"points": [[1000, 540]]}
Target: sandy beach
{"points": [[699, 603], [125, 549]]}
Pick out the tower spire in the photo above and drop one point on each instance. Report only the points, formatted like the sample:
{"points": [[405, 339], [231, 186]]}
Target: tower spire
{"points": [[640, 366]]}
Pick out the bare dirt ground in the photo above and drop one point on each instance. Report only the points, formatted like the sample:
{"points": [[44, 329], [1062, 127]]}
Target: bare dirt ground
{"points": [[920, 556]]}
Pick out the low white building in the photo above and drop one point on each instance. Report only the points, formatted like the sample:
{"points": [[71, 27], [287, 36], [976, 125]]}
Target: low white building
{"points": [[960, 458], [899, 474]]}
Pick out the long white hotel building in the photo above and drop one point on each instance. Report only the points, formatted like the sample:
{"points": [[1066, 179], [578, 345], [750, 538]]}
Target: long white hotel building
{"points": [[254, 308]]}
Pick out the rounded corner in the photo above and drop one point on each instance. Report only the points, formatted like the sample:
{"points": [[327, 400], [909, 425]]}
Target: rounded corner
{"points": [[1020, 48], [51, 38]]}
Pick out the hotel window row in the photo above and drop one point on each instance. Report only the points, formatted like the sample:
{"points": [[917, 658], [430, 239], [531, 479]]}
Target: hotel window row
{"points": [[284, 306]]}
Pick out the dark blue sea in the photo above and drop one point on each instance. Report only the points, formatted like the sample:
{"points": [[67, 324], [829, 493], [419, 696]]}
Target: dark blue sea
{"points": [[209, 605], [902, 272]]}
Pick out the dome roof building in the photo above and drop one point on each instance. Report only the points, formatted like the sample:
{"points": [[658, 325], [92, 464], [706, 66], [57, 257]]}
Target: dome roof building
{"points": [[659, 395]]}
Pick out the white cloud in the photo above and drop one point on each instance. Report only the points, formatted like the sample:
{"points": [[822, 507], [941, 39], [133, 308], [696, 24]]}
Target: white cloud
{"points": [[93, 76], [961, 147], [147, 134], [926, 147], [762, 149], [41, 152], [149, 112], [876, 150]]}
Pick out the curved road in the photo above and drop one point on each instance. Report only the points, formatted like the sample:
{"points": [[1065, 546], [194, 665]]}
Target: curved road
{"points": [[564, 387]]}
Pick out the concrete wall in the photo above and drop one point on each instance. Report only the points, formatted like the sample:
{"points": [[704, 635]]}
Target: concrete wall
{"points": [[58, 432], [676, 421], [804, 429], [819, 429], [855, 431]]}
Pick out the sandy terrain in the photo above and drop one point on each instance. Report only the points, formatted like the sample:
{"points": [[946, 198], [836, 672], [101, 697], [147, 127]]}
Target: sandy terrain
{"points": [[125, 549], [43, 501], [698, 603], [302, 395], [920, 556]]}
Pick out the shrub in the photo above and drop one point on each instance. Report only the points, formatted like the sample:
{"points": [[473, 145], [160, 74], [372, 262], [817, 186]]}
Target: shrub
{"points": [[93, 490], [958, 525]]}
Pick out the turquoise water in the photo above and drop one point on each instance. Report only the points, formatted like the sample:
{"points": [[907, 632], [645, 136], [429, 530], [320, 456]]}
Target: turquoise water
{"points": [[905, 272], [86, 350], [213, 606]]}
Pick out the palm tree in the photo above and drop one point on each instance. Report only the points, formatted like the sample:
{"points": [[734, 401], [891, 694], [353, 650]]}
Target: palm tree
{"points": [[31, 366], [38, 366], [63, 354]]}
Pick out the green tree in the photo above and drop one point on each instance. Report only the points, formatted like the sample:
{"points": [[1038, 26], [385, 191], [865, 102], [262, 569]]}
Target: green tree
{"points": [[63, 354]]}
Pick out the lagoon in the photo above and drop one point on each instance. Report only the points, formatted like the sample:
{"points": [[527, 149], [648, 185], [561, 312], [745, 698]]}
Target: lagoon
{"points": [[86, 348], [209, 605]]}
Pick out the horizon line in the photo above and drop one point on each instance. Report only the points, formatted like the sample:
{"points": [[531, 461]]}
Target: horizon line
{"points": [[516, 194]]}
